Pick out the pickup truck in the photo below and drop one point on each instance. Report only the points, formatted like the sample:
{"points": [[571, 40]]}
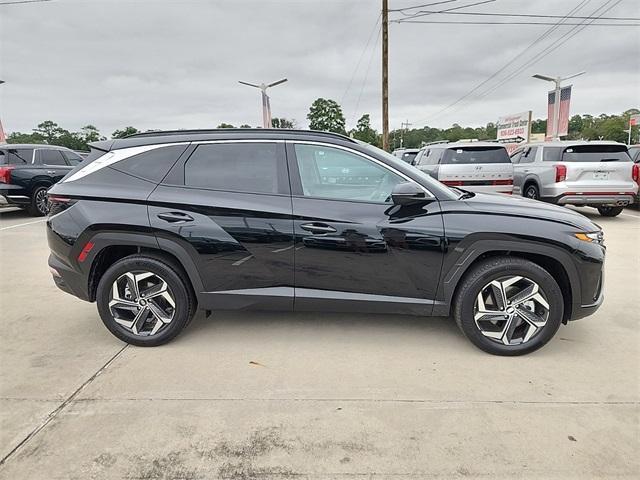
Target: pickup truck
{"points": [[28, 171]]}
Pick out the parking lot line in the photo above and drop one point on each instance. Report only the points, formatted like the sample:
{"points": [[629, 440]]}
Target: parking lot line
{"points": [[23, 224]]}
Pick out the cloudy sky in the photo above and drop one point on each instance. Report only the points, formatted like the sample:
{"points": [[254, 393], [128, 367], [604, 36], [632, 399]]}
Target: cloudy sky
{"points": [[176, 64]]}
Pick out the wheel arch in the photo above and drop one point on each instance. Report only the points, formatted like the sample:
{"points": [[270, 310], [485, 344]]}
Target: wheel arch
{"points": [[531, 180], [554, 260]]}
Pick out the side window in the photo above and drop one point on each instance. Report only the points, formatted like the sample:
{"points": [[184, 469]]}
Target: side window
{"points": [[238, 167], [50, 156], [73, 158], [434, 156], [16, 156], [152, 165], [515, 156], [418, 160], [529, 155], [333, 173], [551, 154]]}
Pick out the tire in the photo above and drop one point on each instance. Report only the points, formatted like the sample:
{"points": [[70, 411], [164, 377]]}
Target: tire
{"points": [[495, 269], [39, 205], [531, 191], [149, 273], [610, 211]]}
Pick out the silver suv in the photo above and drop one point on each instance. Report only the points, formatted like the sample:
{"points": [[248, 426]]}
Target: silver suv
{"points": [[596, 174], [478, 166]]}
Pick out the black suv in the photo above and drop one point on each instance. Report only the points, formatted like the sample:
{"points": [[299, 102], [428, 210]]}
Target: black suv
{"points": [[157, 224], [27, 171]]}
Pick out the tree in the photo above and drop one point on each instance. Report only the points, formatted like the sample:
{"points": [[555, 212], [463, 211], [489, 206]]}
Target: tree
{"points": [[18, 137], [326, 115], [49, 131], [225, 125], [244, 125], [125, 132], [364, 132], [282, 123]]}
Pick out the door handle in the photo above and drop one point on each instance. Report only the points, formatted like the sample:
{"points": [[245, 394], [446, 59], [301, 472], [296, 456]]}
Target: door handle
{"points": [[526, 170], [51, 172], [318, 228], [175, 217]]}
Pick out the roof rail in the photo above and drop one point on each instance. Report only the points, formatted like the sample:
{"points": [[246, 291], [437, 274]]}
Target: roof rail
{"points": [[157, 133], [425, 144]]}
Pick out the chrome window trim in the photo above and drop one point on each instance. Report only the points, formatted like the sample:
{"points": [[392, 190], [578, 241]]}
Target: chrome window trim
{"points": [[431, 196], [239, 140], [115, 156]]}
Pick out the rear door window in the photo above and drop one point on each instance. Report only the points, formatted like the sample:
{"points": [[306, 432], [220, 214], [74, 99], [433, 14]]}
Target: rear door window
{"points": [[475, 155], [72, 158], [529, 155], [18, 156], [238, 167], [50, 157], [152, 165], [596, 153]]}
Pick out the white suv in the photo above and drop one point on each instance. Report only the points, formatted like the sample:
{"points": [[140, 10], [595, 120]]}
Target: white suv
{"points": [[595, 174], [477, 166]]}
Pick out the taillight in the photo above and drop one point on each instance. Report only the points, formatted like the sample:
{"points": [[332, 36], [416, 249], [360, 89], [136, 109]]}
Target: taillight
{"points": [[58, 204], [5, 174], [561, 173], [453, 183], [502, 182], [635, 173]]}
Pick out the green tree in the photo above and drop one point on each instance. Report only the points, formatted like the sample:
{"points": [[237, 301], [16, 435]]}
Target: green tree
{"points": [[125, 132], [364, 132], [244, 125], [326, 115], [282, 123], [49, 131], [225, 125], [19, 137]]}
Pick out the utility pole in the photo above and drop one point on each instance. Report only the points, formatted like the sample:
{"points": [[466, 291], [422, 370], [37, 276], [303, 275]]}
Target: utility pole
{"points": [[404, 126], [556, 105], [385, 75], [266, 106]]}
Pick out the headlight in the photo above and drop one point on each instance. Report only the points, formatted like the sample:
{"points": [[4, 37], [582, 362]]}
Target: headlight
{"points": [[591, 237]]}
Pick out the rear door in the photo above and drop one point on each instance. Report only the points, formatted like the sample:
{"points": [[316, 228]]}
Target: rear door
{"points": [[481, 168], [228, 205], [52, 164], [354, 249], [598, 168]]}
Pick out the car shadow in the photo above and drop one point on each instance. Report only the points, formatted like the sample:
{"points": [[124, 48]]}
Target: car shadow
{"points": [[9, 213]]}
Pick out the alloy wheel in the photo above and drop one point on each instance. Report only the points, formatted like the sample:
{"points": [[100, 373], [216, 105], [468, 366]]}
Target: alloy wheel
{"points": [[42, 202], [511, 310], [142, 302], [531, 193]]}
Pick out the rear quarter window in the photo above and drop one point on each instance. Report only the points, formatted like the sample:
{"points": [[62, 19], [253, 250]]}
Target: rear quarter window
{"points": [[19, 156], [152, 165], [475, 155]]}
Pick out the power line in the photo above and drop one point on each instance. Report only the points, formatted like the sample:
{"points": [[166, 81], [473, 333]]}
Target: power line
{"points": [[355, 70], [515, 58], [15, 2], [423, 13], [526, 15], [402, 10], [444, 22], [366, 74]]}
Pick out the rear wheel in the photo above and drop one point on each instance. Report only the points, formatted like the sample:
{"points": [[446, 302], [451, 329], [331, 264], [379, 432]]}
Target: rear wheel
{"points": [[39, 203], [610, 211], [531, 191], [144, 301], [508, 306]]}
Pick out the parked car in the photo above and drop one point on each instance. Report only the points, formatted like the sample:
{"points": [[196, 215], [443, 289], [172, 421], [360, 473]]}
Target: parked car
{"points": [[409, 155], [27, 172], [634, 153], [594, 174], [158, 224], [475, 166]]}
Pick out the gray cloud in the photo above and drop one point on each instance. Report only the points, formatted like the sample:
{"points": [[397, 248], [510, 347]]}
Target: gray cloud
{"points": [[175, 64]]}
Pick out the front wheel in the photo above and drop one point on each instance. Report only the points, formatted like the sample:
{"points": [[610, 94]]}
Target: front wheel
{"points": [[610, 211], [144, 301], [39, 205], [531, 191], [508, 306]]}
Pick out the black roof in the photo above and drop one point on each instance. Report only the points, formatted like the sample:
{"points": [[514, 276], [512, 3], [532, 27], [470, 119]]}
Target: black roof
{"points": [[31, 145], [174, 136]]}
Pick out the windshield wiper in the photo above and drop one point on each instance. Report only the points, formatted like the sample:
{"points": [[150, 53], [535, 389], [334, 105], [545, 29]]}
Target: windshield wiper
{"points": [[463, 193]]}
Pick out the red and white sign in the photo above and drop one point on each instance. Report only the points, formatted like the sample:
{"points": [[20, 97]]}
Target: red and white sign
{"points": [[514, 129], [565, 102], [634, 120]]}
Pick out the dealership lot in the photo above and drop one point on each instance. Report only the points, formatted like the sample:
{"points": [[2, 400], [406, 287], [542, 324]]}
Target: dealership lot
{"points": [[273, 395]]}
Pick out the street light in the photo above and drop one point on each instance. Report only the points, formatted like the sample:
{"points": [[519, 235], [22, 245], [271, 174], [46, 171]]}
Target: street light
{"points": [[556, 104], [266, 107]]}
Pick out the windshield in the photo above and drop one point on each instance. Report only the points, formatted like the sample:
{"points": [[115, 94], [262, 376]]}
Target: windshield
{"points": [[596, 153], [409, 156], [475, 155], [424, 178]]}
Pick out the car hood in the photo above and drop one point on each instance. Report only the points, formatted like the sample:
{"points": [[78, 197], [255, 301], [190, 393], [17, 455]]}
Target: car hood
{"points": [[524, 207]]}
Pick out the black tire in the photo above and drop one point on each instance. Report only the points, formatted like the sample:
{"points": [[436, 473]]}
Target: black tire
{"points": [[178, 286], [495, 268], [610, 211], [531, 191], [39, 205]]}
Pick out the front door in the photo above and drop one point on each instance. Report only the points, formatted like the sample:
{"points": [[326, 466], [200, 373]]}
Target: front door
{"points": [[354, 249]]}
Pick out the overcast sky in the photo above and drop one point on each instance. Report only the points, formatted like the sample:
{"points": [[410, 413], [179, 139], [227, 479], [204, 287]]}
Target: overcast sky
{"points": [[176, 64]]}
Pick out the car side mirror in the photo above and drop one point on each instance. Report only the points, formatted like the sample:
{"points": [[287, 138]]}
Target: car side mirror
{"points": [[407, 193]]}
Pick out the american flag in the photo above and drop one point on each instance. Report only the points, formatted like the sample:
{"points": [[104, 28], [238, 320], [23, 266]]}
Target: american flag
{"points": [[3, 138], [565, 101]]}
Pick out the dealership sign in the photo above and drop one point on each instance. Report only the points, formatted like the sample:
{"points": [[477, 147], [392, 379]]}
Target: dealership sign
{"points": [[514, 129]]}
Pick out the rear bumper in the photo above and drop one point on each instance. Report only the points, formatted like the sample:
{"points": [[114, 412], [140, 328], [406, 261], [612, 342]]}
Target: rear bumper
{"points": [[608, 199], [68, 280]]}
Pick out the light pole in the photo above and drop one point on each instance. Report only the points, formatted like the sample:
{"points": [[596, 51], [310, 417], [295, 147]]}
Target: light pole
{"points": [[556, 105], [266, 107], [3, 138]]}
